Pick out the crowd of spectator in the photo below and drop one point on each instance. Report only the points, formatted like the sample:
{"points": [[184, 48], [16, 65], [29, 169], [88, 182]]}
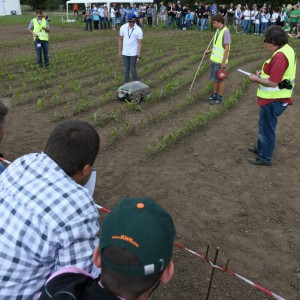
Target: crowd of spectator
{"points": [[240, 19]]}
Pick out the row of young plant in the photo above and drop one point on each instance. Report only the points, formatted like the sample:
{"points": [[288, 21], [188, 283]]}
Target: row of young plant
{"points": [[167, 90], [118, 133], [66, 60], [198, 96], [82, 104], [39, 80], [201, 120]]}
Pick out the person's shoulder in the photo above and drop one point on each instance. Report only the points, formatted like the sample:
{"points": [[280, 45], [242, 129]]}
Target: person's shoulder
{"points": [[138, 28], [123, 27], [63, 285], [279, 58]]}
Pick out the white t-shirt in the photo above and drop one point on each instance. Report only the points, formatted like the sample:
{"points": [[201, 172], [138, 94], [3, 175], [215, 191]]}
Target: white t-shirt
{"points": [[112, 13], [247, 14], [253, 14], [274, 17], [130, 39]]}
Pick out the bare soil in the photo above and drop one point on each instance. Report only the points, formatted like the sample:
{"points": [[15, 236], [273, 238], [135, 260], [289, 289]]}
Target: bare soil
{"points": [[214, 194]]}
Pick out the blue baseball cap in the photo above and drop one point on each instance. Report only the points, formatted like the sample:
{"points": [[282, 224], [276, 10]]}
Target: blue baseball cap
{"points": [[131, 17]]}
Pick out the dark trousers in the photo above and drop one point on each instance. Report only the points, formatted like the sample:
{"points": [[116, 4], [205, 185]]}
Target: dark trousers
{"points": [[96, 25], [42, 47], [101, 22], [130, 66], [87, 24]]}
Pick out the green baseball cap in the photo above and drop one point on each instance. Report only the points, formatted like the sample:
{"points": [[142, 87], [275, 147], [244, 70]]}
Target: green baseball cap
{"points": [[143, 228]]}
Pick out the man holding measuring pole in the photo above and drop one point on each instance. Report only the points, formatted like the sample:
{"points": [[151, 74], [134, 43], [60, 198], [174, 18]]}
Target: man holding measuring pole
{"points": [[219, 59]]}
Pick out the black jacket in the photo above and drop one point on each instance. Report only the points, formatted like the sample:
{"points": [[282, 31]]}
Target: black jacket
{"points": [[73, 286]]}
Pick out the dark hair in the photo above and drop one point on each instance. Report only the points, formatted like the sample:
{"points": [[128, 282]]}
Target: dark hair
{"points": [[128, 286], [3, 112], [72, 145], [218, 18], [276, 35], [38, 12]]}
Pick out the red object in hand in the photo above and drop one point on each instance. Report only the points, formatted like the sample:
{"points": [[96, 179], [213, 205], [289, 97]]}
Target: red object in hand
{"points": [[222, 74]]}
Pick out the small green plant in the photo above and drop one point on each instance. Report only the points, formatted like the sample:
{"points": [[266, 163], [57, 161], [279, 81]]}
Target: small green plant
{"points": [[98, 119], [57, 116], [81, 106], [114, 135], [10, 76], [113, 117], [40, 103], [128, 128], [131, 106], [150, 150]]}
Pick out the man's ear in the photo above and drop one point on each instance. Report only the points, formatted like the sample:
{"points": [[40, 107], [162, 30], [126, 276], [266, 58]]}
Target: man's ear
{"points": [[86, 170], [167, 273], [96, 257]]}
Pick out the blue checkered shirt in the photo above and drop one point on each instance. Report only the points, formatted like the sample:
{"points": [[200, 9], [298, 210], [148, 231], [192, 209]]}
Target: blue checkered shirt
{"points": [[47, 221]]}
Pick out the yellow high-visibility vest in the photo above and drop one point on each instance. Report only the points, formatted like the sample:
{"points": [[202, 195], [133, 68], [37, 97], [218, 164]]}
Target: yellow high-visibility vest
{"points": [[37, 29], [290, 74], [217, 53]]}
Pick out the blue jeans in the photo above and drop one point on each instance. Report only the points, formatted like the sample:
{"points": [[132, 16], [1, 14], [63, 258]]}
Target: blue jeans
{"points": [[266, 129], [204, 24], [129, 66], [246, 26], [42, 47], [264, 26], [171, 20], [257, 28], [198, 24]]}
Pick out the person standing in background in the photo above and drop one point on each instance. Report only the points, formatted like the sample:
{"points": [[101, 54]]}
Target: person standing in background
{"points": [[130, 47], [39, 28], [75, 9], [276, 82]]}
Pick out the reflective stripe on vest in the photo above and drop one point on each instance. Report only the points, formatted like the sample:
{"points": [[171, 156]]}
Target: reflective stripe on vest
{"points": [[290, 74], [37, 28], [217, 53]]}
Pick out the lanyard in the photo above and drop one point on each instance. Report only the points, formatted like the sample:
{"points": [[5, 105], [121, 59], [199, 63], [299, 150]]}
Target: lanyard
{"points": [[129, 35]]}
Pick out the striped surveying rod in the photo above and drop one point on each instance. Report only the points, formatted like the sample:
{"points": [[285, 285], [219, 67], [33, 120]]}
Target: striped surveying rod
{"points": [[201, 63]]}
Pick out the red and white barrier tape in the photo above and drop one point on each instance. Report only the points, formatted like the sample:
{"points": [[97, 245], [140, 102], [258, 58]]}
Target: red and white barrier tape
{"points": [[5, 160], [227, 270]]}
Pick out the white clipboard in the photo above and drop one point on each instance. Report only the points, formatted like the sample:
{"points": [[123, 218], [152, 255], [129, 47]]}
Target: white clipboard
{"points": [[244, 72], [91, 184]]}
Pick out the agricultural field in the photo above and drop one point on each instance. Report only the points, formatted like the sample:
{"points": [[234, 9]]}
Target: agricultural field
{"points": [[174, 147]]}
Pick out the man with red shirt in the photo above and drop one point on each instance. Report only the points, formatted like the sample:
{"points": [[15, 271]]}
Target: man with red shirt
{"points": [[276, 83]]}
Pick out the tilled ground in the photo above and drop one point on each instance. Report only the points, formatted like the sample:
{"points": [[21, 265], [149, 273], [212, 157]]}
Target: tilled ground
{"points": [[214, 195]]}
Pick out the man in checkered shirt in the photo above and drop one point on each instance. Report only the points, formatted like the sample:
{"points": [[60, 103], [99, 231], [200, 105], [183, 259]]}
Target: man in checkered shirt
{"points": [[48, 220]]}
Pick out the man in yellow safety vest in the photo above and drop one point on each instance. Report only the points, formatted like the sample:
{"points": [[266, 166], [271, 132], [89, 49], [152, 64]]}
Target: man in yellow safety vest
{"points": [[276, 81], [39, 28], [219, 58]]}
